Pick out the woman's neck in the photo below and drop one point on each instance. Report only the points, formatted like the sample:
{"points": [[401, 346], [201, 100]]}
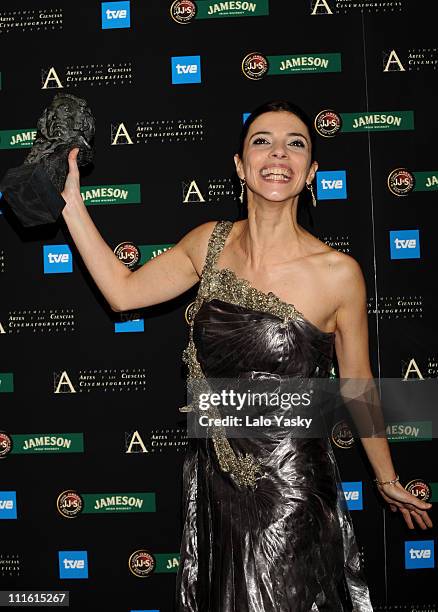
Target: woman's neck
{"points": [[271, 233]]}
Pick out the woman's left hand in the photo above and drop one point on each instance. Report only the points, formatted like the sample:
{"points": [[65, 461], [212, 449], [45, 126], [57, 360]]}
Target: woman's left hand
{"points": [[410, 506]]}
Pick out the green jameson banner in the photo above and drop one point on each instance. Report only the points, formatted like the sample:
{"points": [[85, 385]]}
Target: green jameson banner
{"points": [[409, 431], [6, 382], [166, 563], [16, 139], [377, 121], [48, 443], [305, 62], [118, 502], [149, 251], [111, 194], [213, 10], [426, 181]]}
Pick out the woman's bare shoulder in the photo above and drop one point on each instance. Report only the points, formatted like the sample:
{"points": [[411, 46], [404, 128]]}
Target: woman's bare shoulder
{"points": [[343, 263], [341, 270], [195, 243]]}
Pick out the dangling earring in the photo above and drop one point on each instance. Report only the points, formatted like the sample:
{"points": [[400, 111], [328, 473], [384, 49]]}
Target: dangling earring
{"points": [[310, 188], [242, 189]]}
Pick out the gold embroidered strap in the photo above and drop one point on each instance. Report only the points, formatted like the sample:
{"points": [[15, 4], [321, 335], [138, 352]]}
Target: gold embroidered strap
{"points": [[216, 244], [225, 285], [242, 469]]}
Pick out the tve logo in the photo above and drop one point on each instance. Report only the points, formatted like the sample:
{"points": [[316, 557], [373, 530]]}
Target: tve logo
{"points": [[331, 185], [245, 116], [186, 69], [116, 15], [405, 244], [131, 325], [419, 554], [8, 505], [73, 564], [57, 258], [353, 495]]}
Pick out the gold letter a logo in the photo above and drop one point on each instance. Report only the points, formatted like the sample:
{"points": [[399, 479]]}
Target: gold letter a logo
{"points": [[120, 133], [318, 4]]}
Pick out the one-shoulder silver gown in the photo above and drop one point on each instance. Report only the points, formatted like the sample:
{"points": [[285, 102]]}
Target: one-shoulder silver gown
{"points": [[281, 540]]}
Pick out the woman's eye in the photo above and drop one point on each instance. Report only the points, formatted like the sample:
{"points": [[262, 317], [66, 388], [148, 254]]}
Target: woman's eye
{"points": [[297, 143], [260, 140]]}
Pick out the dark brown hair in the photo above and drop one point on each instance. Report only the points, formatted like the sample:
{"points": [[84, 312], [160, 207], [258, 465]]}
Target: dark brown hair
{"points": [[276, 106]]}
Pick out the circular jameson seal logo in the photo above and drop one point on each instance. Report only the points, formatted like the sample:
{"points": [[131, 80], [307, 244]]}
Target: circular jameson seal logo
{"points": [[189, 312], [419, 488], [183, 11], [255, 66], [128, 253], [341, 435], [5, 444], [401, 182], [328, 123], [141, 563], [69, 504]]}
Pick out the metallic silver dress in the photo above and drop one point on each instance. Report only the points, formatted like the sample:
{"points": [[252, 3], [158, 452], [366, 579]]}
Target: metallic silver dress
{"points": [[279, 539]]}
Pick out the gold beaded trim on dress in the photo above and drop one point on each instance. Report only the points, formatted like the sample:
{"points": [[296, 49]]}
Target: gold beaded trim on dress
{"points": [[223, 284], [226, 285]]}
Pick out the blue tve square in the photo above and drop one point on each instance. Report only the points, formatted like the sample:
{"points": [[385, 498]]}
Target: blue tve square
{"points": [[73, 564], [419, 554], [133, 325], [8, 505], [116, 15], [186, 69], [331, 185], [57, 258], [353, 495], [404, 244]]}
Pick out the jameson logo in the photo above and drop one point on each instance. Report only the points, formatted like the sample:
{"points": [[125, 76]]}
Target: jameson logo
{"points": [[255, 65], [409, 431], [377, 121], [185, 11], [166, 562], [426, 181], [208, 10], [111, 194], [118, 502], [6, 382], [15, 139], [149, 251], [309, 62], [401, 181], [48, 443]]}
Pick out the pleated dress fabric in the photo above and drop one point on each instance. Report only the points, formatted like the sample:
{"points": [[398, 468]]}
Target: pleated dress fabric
{"points": [[266, 526]]}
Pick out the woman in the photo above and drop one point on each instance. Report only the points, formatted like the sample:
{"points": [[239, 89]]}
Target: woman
{"points": [[266, 526]]}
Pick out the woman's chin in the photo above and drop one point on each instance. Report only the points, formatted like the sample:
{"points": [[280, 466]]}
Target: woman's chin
{"points": [[275, 195]]}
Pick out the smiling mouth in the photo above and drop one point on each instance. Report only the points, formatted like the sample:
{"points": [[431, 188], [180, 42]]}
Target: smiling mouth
{"points": [[277, 175]]}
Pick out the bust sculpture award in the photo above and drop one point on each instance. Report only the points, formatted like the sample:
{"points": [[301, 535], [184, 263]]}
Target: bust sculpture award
{"points": [[33, 190]]}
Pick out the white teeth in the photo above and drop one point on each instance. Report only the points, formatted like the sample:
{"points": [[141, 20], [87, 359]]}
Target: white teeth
{"points": [[277, 178], [276, 174]]}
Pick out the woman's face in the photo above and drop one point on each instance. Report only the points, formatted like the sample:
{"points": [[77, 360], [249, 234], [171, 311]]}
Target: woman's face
{"points": [[276, 160]]}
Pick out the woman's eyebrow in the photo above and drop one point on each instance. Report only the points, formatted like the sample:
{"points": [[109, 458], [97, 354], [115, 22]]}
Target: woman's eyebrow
{"points": [[288, 134]]}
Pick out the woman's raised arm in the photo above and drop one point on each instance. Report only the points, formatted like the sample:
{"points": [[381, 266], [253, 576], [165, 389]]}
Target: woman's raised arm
{"points": [[158, 280]]}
